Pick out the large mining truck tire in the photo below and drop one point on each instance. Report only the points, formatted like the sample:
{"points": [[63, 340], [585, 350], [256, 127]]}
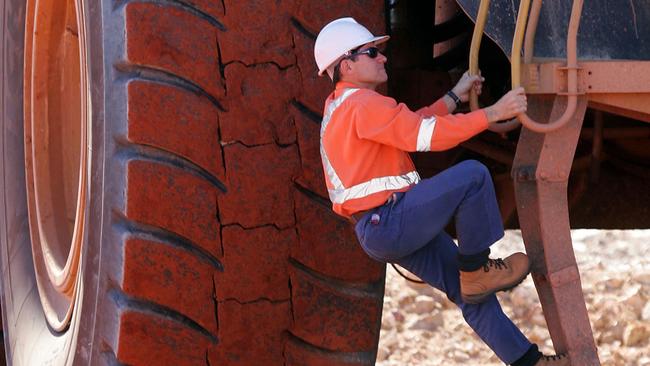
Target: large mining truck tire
{"points": [[205, 237]]}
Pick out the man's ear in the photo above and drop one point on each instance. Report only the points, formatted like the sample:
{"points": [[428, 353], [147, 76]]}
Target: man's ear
{"points": [[345, 67]]}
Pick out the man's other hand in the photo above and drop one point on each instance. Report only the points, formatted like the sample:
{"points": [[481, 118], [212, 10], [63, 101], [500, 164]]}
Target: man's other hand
{"points": [[466, 83], [510, 105]]}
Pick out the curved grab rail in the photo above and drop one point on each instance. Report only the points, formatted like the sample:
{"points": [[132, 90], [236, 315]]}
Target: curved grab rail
{"points": [[477, 35], [531, 30], [572, 66]]}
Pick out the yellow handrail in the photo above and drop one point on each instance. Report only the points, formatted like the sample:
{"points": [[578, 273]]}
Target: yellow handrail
{"points": [[477, 35], [518, 39], [481, 17], [572, 66], [531, 29]]}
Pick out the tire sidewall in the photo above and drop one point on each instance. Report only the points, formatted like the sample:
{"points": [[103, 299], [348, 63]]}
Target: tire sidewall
{"points": [[75, 345], [13, 196]]}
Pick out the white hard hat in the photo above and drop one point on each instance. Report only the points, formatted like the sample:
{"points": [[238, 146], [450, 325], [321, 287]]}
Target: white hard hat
{"points": [[337, 38]]}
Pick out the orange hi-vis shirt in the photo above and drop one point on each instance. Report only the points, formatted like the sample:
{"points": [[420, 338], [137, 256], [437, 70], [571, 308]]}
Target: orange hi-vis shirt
{"points": [[365, 139]]}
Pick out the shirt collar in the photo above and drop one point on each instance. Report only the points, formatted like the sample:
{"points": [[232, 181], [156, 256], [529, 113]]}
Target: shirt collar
{"points": [[342, 85], [345, 85]]}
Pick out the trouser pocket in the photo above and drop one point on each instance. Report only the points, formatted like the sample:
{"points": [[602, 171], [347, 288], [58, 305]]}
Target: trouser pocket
{"points": [[379, 234]]}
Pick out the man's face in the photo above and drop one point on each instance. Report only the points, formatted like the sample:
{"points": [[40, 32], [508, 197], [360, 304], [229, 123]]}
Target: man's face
{"points": [[365, 70]]}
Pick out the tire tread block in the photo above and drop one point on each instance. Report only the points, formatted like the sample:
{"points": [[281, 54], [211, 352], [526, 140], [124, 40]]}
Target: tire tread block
{"points": [[315, 89], [333, 318], [171, 277], [173, 199], [176, 41], [308, 132], [255, 264], [258, 98], [259, 181], [177, 121], [313, 15], [258, 32], [251, 333], [148, 339], [327, 244], [301, 354]]}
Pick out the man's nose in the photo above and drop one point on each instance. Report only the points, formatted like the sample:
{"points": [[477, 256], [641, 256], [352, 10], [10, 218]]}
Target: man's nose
{"points": [[382, 58]]}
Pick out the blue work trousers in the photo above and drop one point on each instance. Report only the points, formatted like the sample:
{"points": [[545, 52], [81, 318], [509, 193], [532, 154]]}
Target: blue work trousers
{"points": [[409, 231]]}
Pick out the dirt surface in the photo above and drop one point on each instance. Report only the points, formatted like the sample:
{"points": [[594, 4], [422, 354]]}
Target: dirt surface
{"points": [[421, 327]]}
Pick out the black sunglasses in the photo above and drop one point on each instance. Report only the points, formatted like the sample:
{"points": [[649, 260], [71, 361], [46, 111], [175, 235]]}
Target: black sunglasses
{"points": [[372, 52]]}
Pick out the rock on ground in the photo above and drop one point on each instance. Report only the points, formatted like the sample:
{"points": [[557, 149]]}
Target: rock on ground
{"points": [[421, 327]]}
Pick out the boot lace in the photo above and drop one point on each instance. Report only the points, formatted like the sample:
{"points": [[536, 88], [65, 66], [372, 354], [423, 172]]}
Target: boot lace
{"points": [[497, 263], [554, 357]]}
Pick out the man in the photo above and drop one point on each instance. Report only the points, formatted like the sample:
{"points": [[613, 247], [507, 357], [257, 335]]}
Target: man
{"points": [[399, 218]]}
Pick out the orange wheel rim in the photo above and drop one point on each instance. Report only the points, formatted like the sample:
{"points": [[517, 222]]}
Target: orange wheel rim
{"points": [[56, 108]]}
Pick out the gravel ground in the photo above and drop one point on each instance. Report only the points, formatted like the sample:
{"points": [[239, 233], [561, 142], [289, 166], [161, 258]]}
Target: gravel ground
{"points": [[421, 327]]}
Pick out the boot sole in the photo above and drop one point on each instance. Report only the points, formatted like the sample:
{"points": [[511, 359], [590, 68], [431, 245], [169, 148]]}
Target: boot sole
{"points": [[480, 298]]}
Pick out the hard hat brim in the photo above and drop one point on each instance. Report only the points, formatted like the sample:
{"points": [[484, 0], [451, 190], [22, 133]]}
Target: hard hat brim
{"points": [[375, 41]]}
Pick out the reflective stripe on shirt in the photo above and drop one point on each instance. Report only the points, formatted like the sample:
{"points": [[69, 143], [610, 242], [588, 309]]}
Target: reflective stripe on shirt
{"points": [[425, 133], [389, 183], [329, 170], [339, 193]]}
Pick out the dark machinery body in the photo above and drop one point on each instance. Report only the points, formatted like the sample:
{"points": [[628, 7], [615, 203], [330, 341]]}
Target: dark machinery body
{"points": [[609, 30]]}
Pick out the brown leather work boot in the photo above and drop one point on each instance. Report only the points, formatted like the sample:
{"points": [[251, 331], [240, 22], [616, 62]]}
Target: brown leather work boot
{"points": [[496, 275], [554, 360]]}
